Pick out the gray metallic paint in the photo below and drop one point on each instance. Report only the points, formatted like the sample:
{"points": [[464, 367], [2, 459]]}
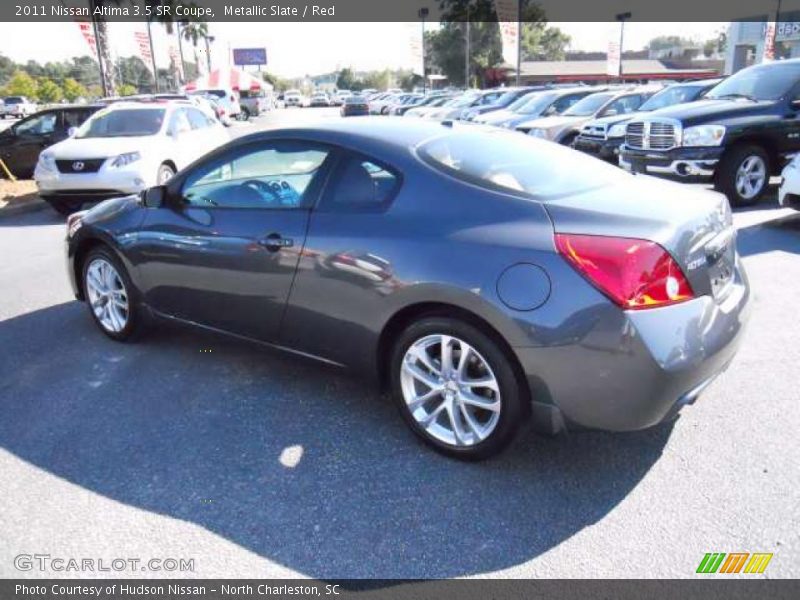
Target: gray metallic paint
{"points": [[447, 242]]}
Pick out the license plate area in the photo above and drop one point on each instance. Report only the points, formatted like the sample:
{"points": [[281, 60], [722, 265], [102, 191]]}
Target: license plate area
{"points": [[721, 257]]}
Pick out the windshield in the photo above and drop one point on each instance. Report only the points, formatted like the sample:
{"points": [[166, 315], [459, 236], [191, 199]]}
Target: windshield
{"points": [[762, 82], [509, 161], [464, 100], [123, 123], [536, 105], [672, 95], [588, 106], [13, 101]]}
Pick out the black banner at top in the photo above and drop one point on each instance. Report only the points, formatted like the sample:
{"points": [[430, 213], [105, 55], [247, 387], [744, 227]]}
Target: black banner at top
{"points": [[398, 10]]}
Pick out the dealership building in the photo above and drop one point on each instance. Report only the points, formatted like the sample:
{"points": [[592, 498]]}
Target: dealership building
{"points": [[746, 43]]}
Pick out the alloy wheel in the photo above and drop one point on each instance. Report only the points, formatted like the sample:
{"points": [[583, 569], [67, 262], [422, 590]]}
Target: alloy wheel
{"points": [[107, 295], [751, 176], [450, 390]]}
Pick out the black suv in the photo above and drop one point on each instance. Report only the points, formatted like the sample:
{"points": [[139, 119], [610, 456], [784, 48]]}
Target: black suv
{"points": [[740, 134]]}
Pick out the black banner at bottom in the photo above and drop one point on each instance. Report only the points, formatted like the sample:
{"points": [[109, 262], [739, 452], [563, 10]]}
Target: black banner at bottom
{"points": [[368, 589]]}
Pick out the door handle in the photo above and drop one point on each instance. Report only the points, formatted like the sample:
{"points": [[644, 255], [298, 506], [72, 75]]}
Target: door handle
{"points": [[274, 242]]}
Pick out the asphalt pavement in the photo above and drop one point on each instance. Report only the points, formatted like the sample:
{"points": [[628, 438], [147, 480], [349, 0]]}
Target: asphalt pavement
{"points": [[194, 446]]}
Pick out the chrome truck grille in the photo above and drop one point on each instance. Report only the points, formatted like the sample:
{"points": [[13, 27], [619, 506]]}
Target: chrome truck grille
{"points": [[651, 135]]}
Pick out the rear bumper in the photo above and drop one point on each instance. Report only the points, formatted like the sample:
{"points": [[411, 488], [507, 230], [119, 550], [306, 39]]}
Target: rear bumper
{"points": [[636, 369], [685, 164]]}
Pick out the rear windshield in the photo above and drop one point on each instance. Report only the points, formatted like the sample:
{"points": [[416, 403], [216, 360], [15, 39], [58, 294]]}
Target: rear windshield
{"points": [[509, 161], [131, 122]]}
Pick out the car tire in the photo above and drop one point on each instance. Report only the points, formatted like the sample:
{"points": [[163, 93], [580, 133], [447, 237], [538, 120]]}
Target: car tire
{"points": [[66, 207], [164, 174], [450, 420], [110, 295], [732, 178]]}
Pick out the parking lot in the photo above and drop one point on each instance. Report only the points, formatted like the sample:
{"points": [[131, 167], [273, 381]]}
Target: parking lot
{"points": [[190, 445]]}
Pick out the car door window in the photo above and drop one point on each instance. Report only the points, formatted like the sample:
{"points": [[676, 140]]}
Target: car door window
{"points": [[179, 122], [38, 125], [277, 175], [361, 184], [75, 118], [197, 120], [565, 102]]}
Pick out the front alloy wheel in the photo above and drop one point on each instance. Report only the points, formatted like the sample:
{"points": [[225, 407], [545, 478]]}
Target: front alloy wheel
{"points": [[456, 388], [110, 294]]}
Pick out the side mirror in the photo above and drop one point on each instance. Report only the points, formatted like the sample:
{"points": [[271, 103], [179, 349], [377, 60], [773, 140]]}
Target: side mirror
{"points": [[72, 131], [611, 112], [155, 196]]}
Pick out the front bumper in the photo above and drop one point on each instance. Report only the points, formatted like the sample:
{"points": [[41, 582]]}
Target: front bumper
{"points": [[607, 149], [635, 369], [105, 183], [684, 164]]}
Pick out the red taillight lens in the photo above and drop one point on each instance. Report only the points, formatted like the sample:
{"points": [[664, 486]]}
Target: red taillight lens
{"points": [[634, 273]]}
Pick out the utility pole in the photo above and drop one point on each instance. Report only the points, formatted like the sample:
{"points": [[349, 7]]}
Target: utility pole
{"points": [[422, 14], [152, 55], [519, 40], [466, 53], [103, 82], [180, 51], [209, 40]]}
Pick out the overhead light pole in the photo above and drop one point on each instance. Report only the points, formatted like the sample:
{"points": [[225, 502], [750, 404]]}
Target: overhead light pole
{"points": [[422, 13], [622, 17], [209, 40]]}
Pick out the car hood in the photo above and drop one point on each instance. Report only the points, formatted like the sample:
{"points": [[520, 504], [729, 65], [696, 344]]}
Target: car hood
{"points": [[710, 109], [496, 116], [613, 120], [555, 122], [83, 148]]}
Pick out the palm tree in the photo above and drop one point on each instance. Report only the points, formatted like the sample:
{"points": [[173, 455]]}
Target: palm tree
{"points": [[195, 32]]}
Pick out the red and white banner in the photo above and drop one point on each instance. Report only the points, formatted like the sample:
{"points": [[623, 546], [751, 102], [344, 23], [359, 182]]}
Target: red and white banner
{"points": [[614, 61], [769, 42], [143, 45], [88, 34], [508, 17], [225, 78]]}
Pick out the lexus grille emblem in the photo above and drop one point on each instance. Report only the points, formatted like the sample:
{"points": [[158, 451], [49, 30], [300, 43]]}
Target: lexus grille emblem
{"points": [[77, 166]]}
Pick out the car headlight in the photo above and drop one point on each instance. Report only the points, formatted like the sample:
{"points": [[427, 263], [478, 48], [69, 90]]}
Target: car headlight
{"points": [[703, 135], [47, 161], [617, 131], [126, 159]]}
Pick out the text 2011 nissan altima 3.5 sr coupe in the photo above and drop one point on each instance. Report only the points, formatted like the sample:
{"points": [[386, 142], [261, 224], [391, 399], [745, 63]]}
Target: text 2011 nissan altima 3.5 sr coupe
{"points": [[483, 276]]}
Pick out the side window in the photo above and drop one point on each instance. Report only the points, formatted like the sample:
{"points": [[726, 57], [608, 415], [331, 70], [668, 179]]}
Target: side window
{"points": [[179, 122], [197, 120], [361, 185], [624, 105], [38, 125], [276, 175], [74, 118], [565, 102]]}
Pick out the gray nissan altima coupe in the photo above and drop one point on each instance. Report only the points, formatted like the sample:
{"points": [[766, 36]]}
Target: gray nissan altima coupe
{"points": [[482, 276]]}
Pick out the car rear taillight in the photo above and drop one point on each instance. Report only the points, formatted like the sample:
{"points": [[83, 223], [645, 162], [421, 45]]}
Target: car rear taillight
{"points": [[634, 273]]}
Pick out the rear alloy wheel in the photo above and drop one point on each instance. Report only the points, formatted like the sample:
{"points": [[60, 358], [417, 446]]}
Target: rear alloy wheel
{"points": [[455, 388], [109, 294], [743, 175], [165, 173]]}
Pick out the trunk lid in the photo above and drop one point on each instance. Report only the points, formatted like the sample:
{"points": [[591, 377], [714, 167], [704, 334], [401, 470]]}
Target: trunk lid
{"points": [[694, 226]]}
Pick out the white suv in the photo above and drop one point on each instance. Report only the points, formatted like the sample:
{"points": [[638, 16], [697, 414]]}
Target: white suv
{"points": [[17, 107], [124, 149]]}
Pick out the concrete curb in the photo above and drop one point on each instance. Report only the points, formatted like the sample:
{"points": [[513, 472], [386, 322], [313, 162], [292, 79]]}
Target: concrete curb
{"points": [[21, 209]]}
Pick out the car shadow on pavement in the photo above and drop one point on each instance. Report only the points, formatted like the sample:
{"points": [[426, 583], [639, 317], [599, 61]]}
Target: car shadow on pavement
{"points": [[781, 234], [299, 463]]}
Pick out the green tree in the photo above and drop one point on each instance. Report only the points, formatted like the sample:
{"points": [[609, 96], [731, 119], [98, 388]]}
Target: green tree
{"points": [[49, 92], [346, 79], [663, 42], [543, 42], [7, 68], [126, 90], [73, 90], [21, 84], [133, 72], [278, 83]]}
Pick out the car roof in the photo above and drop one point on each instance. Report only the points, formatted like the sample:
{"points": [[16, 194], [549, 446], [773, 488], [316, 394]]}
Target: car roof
{"points": [[369, 131]]}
